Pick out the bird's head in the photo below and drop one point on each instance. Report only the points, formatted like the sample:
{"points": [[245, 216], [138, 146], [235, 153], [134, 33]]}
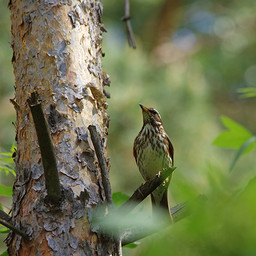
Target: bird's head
{"points": [[150, 116]]}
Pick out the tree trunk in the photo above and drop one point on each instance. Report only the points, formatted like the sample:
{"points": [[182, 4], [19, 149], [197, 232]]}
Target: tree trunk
{"points": [[57, 52]]}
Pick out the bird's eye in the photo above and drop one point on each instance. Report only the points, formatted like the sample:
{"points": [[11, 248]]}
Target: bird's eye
{"points": [[153, 111]]}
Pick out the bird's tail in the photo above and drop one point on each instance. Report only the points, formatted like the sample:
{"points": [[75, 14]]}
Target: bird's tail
{"points": [[160, 206]]}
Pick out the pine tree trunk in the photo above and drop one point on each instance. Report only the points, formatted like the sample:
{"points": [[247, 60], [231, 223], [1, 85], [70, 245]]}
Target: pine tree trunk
{"points": [[57, 52]]}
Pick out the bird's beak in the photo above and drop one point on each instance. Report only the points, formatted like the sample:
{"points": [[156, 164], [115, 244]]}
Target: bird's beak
{"points": [[144, 109], [145, 114]]}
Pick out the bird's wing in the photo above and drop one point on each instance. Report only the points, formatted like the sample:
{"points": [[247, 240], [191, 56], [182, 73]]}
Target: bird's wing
{"points": [[171, 150], [134, 150]]}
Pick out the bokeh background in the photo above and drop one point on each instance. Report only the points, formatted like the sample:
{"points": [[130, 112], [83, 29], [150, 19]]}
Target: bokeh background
{"points": [[191, 58]]}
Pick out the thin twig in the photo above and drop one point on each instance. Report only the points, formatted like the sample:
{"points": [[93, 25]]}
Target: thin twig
{"points": [[179, 212], [126, 18], [4, 220], [51, 174], [144, 190], [4, 216], [102, 162]]}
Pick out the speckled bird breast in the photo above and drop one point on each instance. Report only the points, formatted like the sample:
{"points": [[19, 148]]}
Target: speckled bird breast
{"points": [[152, 157]]}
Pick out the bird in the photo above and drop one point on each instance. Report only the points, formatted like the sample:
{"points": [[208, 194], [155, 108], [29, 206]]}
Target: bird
{"points": [[153, 152]]}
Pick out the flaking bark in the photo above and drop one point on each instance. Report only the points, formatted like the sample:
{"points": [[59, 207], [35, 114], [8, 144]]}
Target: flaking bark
{"points": [[57, 52]]}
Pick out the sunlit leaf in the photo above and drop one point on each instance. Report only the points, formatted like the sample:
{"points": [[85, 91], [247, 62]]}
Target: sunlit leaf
{"points": [[4, 230], [119, 198], [6, 154], [248, 92], [249, 143], [4, 254], [5, 191], [234, 137], [7, 170], [132, 245], [6, 163], [14, 148], [7, 160]]}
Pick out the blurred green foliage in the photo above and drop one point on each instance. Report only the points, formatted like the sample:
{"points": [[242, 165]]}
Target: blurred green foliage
{"points": [[237, 137], [248, 92], [234, 137], [6, 80], [119, 198], [7, 169], [191, 71]]}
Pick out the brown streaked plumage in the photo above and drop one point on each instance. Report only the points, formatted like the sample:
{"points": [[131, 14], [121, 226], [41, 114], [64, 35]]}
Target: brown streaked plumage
{"points": [[153, 152]]}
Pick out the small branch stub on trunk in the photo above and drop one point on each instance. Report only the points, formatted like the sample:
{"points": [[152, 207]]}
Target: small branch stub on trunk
{"points": [[47, 151]]}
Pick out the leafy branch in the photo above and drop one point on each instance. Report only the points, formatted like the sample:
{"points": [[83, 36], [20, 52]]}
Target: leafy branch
{"points": [[236, 137]]}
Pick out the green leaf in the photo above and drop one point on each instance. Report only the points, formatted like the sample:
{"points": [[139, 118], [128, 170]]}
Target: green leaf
{"points": [[4, 230], [7, 160], [5, 191], [235, 135], [248, 92], [249, 143], [4, 254], [119, 198], [7, 170], [6, 154], [132, 245], [14, 148]]}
